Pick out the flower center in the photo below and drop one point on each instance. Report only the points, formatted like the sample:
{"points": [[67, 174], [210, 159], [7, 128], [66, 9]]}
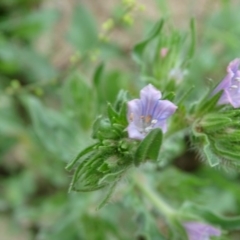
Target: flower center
{"points": [[147, 124]]}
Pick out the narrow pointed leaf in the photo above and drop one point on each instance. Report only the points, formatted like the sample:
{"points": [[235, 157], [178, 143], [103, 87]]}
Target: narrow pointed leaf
{"points": [[123, 114], [98, 75], [209, 105], [149, 148], [228, 223], [112, 114], [140, 47]]}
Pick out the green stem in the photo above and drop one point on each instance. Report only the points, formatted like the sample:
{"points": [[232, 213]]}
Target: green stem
{"points": [[155, 198]]}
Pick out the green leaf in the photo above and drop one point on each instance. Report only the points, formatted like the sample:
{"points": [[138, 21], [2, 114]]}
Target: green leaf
{"points": [[98, 75], [227, 223], [193, 39], [209, 105], [83, 30], [185, 95], [169, 96], [148, 228], [31, 25], [149, 148], [78, 95], [52, 128], [138, 50]]}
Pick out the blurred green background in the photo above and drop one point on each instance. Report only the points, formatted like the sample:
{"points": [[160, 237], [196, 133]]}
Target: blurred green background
{"points": [[60, 62]]}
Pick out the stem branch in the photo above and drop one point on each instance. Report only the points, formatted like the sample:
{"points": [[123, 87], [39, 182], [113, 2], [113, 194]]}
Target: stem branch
{"points": [[155, 198]]}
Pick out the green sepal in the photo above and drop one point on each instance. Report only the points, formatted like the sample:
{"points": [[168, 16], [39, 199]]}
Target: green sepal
{"points": [[83, 167], [149, 148], [103, 168], [121, 99], [88, 189], [95, 127], [108, 196], [228, 151], [103, 129], [205, 144], [111, 177], [212, 158], [81, 154], [123, 114], [112, 113], [212, 122], [233, 136]]}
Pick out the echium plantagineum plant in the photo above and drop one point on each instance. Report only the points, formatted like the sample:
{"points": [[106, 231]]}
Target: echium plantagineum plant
{"points": [[134, 132]]}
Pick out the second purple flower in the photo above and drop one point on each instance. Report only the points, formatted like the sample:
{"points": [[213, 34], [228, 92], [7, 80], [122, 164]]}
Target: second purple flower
{"points": [[148, 112], [230, 85], [200, 231]]}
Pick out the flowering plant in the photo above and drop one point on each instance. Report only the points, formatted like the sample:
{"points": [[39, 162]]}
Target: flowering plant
{"points": [[133, 133], [151, 129]]}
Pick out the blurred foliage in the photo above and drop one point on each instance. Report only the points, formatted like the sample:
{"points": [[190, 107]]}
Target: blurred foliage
{"points": [[47, 111]]}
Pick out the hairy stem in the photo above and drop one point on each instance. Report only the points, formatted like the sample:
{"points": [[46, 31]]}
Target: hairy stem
{"points": [[141, 183]]}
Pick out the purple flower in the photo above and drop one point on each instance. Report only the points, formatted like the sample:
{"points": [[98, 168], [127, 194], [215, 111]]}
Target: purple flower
{"points": [[230, 85], [148, 112], [200, 231]]}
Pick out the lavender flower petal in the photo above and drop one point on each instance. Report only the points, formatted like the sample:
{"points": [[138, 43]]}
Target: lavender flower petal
{"points": [[164, 109], [134, 109], [150, 92], [233, 65], [133, 132], [162, 124], [148, 112], [200, 231], [149, 97]]}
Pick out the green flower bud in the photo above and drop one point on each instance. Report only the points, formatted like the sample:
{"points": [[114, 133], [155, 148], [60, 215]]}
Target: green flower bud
{"points": [[128, 19], [108, 25]]}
